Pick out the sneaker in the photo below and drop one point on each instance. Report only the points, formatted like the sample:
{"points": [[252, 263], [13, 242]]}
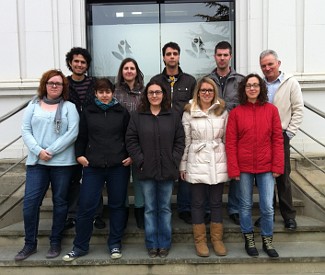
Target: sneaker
{"points": [[116, 253], [163, 252], [69, 223], [99, 223], [25, 253], [152, 252], [70, 256]]}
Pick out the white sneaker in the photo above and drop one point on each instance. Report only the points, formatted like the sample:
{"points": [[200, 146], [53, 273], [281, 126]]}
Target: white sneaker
{"points": [[116, 253]]}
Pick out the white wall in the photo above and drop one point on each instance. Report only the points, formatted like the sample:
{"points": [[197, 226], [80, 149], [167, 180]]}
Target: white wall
{"points": [[36, 34]]}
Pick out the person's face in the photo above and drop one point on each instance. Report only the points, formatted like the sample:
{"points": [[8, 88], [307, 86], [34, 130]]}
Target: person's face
{"points": [[222, 58], [155, 95], [103, 95], [171, 58], [54, 87], [252, 89], [270, 67], [129, 71], [206, 93], [79, 64]]}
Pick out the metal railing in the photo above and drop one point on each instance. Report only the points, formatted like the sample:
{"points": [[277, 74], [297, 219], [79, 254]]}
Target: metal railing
{"points": [[321, 114]]}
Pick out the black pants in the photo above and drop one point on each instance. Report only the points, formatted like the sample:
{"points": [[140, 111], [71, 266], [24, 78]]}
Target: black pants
{"points": [[284, 185]]}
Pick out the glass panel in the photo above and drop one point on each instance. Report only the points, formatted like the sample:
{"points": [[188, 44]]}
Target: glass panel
{"points": [[140, 31], [197, 28], [121, 31]]}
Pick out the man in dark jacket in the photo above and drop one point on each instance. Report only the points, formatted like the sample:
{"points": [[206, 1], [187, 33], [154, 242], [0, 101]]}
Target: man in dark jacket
{"points": [[227, 80], [81, 93], [180, 87]]}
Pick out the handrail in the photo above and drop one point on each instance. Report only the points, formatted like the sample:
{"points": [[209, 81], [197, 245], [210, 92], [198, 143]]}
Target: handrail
{"points": [[321, 114], [314, 109], [14, 111]]}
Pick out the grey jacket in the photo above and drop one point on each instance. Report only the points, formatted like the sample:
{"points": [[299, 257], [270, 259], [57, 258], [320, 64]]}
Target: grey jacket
{"points": [[229, 94]]}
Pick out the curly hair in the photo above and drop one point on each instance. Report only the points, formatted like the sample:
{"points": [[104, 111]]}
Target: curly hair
{"points": [[197, 101], [138, 78], [42, 91], [77, 51], [172, 45], [144, 104], [262, 97]]}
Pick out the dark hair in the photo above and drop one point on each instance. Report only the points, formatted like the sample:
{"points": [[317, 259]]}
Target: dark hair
{"points": [[77, 51], [144, 104], [223, 45], [262, 97], [42, 91], [172, 45], [138, 78], [103, 83]]}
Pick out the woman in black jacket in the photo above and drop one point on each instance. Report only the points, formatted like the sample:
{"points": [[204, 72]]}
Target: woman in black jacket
{"points": [[100, 149], [155, 142]]}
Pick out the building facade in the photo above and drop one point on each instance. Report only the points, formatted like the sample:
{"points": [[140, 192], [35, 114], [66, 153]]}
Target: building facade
{"points": [[36, 34]]}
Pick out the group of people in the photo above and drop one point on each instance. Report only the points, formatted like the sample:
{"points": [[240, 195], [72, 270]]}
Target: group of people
{"points": [[225, 128]]}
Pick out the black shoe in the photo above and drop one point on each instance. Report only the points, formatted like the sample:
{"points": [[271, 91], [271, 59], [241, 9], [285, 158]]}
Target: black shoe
{"points": [[235, 218], [25, 253], [53, 252], [207, 218], [186, 216], [163, 252], [290, 224], [69, 223], [99, 223], [250, 244], [258, 222], [139, 217], [268, 247], [152, 252]]}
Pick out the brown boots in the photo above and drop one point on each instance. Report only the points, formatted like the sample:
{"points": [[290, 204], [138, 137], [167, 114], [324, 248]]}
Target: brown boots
{"points": [[216, 232], [200, 239]]}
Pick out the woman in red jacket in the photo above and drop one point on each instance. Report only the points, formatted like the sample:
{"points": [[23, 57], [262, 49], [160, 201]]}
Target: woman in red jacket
{"points": [[254, 146]]}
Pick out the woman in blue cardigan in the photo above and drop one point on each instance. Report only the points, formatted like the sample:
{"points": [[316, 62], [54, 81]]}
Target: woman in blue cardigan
{"points": [[49, 129]]}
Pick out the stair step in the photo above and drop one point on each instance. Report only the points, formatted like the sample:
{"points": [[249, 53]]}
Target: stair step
{"points": [[295, 258]]}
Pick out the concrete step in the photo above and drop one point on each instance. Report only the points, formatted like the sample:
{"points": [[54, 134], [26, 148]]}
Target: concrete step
{"points": [[309, 229], [295, 258]]}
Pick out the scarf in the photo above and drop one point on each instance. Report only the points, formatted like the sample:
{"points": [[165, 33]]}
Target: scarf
{"points": [[104, 106], [57, 118]]}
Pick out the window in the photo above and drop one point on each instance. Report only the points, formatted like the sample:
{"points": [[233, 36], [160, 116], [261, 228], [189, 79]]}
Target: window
{"points": [[139, 30]]}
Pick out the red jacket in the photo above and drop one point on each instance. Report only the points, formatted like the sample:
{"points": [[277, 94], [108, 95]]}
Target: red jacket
{"points": [[254, 141]]}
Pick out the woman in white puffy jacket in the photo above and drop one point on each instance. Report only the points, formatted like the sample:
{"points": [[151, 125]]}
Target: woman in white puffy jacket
{"points": [[204, 162]]}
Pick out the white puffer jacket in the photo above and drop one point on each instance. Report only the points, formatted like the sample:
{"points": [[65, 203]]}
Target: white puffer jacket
{"points": [[204, 158]]}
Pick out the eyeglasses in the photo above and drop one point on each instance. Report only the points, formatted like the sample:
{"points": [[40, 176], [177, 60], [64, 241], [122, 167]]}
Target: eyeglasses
{"points": [[52, 84], [204, 91], [151, 93], [254, 85], [171, 53]]}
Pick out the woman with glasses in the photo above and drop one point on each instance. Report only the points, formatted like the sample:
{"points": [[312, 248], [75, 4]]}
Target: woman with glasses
{"points": [[128, 90], [155, 142], [100, 149], [255, 152], [204, 162], [49, 129]]}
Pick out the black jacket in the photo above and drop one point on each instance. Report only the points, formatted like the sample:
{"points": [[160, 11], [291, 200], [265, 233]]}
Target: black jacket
{"points": [[156, 144], [101, 136], [182, 91]]}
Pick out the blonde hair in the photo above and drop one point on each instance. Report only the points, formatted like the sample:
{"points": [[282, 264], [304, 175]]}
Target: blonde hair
{"points": [[196, 99]]}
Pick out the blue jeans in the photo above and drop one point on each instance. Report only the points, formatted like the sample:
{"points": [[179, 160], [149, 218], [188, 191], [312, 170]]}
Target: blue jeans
{"points": [[137, 189], [116, 179], [183, 196], [233, 197], [265, 183], [157, 213], [38, 179]]}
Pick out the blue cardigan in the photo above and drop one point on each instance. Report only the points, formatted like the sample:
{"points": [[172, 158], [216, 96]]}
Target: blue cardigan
{"points": [[38, 132]]}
